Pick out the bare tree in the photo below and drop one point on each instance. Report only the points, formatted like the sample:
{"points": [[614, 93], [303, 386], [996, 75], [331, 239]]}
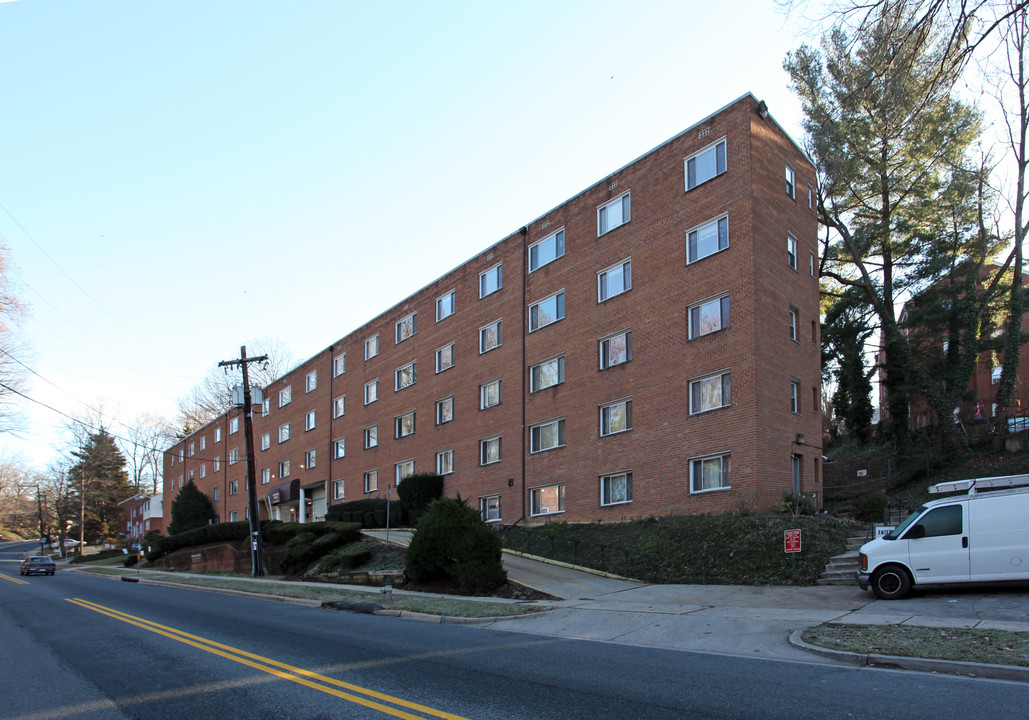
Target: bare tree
{"points": [[213, 396], [59, 490], [17, 497], [143, 443], [12, 369]]}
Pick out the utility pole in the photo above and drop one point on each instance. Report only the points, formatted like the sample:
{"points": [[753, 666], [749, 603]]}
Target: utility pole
{"points": [[257, 562], [42, 532]]}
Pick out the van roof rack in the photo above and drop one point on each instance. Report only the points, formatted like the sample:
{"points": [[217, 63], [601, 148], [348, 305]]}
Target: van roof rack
{"points": [[985, 483]]}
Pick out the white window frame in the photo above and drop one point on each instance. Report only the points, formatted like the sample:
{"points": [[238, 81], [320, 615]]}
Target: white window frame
{"points": [[536, 435], [724, 472], [485, 444], [793, 324], [371, 481], [234, 516], [791, 182], [406, 328], [404, 425], [446, 305], [487, 397], [339, 365], [445, 462], [558, 299], [540, 252], [696, 314], [191, 450], [702, 153], [537, 376], [490, 508], [284, 470], [485, 282], [606, 482], [795, 396], [724, 390], [604, 291], [310, 420], [441, 405], [791, 251], [605, 348], [499, 325], [266, 440], [266, 475], [606, 417], [266, 407], [310, 459], [371, 347], [285, 396], [339, 448], [339, 406], [404, 373], [217, 493], [284, 432], [536, 507], [811, 262], [401, 467], [203, 470], [217, 434], [339, 490], [311, 381], [371, 437], [233, 487], [440, 367], [371, 391], [695, 250], [233, 428], [614, 213]]}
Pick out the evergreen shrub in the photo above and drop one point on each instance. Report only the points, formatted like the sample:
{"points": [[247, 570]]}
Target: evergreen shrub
{"points": [[452, 542]]}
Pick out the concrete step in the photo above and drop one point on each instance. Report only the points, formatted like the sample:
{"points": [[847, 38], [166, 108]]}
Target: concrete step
{"points": [[841, 581]]}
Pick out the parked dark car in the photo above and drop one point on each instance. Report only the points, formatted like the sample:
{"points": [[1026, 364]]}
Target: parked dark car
{"points": [[38, 565]]}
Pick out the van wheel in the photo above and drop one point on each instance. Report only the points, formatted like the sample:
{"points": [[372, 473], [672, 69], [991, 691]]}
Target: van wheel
{"points": [[891, 582]]}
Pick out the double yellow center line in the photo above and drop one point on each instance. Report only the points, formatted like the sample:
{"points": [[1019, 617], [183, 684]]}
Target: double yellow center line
{"points": [[331, 686], [18, 581]]}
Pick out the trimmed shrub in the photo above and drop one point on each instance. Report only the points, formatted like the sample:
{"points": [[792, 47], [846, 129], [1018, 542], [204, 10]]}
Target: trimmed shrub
{"points": [[369, 512], [274, 532], [347, 558], [417, 491], [451, 541]]}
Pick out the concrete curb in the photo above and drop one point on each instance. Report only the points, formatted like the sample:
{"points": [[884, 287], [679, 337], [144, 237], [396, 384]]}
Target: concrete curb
{"points": [[951, 667]]}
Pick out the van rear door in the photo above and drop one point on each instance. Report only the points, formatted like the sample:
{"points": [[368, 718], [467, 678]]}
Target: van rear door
{"points": [[999, 537], [941, 554]]}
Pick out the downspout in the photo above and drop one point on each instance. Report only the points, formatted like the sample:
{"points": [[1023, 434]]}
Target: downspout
{"points": [[332, 449], [523, 311]]}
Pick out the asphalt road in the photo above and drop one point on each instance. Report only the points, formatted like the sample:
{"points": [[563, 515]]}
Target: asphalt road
{"points": [[77, 646]]}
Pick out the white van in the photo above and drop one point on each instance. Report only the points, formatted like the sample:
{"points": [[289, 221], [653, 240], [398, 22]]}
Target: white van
{"points": [[976, 537]]}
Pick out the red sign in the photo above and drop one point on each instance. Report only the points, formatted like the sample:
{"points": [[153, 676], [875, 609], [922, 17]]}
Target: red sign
{"points": [[791, 541]]}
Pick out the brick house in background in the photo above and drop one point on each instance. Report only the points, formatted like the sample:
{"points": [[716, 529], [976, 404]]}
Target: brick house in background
{"points": [[142, 513], [648, 347]]}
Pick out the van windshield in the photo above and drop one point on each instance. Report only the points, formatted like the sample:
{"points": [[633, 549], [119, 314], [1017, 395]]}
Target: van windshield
{"points": [[904, 525]]}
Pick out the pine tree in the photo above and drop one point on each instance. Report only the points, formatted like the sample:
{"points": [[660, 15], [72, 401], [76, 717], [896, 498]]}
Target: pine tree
{"points": [[190, 509]]}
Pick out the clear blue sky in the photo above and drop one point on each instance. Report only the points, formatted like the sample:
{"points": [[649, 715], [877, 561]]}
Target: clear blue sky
{"points": [[178, 178]]}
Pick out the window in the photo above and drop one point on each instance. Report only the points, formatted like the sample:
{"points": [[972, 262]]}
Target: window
{"points": [[616, 417], [266, 475], [339, 448], [266, 441], [338, 489], [547, 436], [283, 433], [285, 395], [445, 410], [310, 459], [706, 164], [191, 451], [217, 464], [614, 281], [266, 407], [339, 406], [233, 487], [445, 462], [546, 250], [371, 347], [810, 199], [710, 393], [284, 471], [613, 214], [371, 392], [491, 280], [310, 420], [811, 262], [233, 457], [203, 470], [217, 494], [405, 376], [942, 521], [616, 349], [546, 311], [489, 337], [616, 489], [445, 358], [995, 374], [233, 427], [791, 183], [404, 469], [707, 239], [234, 516], [709, 316], [371, 437], [445, 306], [489, 450], [311, 381], [795, 396], [191, 476], [405, 424], [791, 251], [815, 403], [339, 365], [547, 373], [203, 443], [793, 324], [406, 328], [489, 394], [217, 434], [371, 481], [489, 508], [709, 473], [548, 500]]}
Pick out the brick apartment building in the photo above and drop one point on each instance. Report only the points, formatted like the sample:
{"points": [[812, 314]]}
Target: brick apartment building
{"points": [[648, 347], [143, 513]]}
